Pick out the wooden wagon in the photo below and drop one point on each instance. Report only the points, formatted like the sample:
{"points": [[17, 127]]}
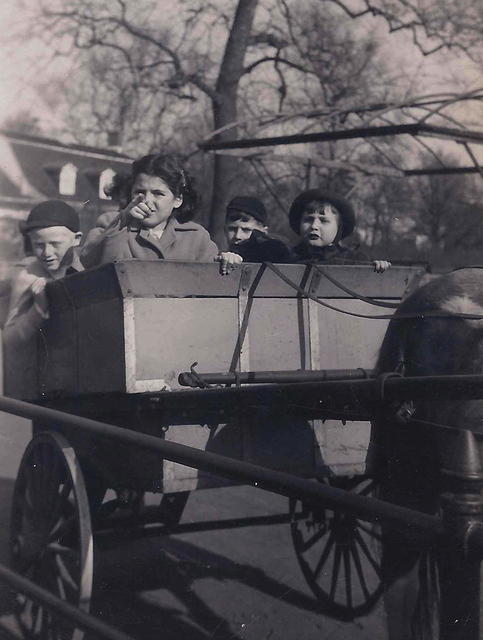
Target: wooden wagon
{"points": [[114, 346]]}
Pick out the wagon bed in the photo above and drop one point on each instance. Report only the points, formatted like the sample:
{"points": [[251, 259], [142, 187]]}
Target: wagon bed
{"points": [[127, 329]]}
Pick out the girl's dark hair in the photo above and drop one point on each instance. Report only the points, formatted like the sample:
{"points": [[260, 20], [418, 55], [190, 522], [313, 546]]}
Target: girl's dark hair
{"points": [[169, 169], [120, 189]]}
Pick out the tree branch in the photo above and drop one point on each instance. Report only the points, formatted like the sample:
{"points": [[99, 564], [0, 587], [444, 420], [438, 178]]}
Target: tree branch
{"points": [[276, 58], [121, 22], [269, 39]]}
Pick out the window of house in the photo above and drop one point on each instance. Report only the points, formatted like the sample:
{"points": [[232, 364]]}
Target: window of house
{"points": [[67, 179], [105, 180]]}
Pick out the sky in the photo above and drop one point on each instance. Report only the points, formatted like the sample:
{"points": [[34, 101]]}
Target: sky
{"points": [[22, 65]]}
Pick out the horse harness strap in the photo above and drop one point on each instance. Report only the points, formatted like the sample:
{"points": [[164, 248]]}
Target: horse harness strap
{"points": [[354, 294]]}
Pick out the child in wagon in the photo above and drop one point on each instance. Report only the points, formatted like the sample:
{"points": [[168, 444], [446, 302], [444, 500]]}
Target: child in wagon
{"points": [[322, 219], [157, 222], [53, 230], [247, 233]]}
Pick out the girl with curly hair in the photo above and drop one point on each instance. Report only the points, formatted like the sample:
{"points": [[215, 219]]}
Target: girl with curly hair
{"points": [[157, 221]]}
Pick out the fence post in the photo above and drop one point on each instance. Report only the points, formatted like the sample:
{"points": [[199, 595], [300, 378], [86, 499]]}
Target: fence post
{"points": [[459, 564]]}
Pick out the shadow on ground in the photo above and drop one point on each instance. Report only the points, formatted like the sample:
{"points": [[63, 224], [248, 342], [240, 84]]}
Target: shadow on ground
{"points": [[128, 575], [124, 594]]}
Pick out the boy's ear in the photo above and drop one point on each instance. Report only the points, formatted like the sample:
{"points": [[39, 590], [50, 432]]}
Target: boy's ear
{"points": [[77, 239], [178, 201]]}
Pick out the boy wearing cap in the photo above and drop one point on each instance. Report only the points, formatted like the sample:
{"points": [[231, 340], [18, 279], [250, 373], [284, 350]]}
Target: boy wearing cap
{"points": [[246, 232], [323, 219], [52, 228]]}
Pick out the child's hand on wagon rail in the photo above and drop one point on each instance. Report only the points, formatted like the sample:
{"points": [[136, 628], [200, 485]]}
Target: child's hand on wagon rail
{"points": [[381, 265], [228, 261]]}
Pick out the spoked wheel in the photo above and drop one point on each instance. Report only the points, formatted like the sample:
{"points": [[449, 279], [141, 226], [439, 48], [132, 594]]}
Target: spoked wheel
{"points": [[339, 554], [51, 537]]}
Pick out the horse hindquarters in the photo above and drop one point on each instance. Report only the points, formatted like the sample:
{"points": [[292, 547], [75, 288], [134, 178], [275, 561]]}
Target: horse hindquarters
{"points": [[411, 458], [406, 465]]}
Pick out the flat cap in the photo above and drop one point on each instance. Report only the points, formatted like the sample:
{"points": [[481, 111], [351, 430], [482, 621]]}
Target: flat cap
{"points": [[251, 205], [51, 213]]}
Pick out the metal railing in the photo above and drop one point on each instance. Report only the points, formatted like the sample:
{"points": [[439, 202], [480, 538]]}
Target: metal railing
{"points": [[61, 608], [275, 481]]}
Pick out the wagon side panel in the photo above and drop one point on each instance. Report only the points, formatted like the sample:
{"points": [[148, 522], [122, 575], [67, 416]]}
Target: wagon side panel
{"points": [[101, 347], [200, 329], [344, 342]]}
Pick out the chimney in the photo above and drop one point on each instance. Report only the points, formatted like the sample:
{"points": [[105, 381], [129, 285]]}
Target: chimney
{"points": [[114, 140]]}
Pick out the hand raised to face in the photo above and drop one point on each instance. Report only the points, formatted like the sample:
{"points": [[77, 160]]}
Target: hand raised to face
{"points": [[152, 202]]}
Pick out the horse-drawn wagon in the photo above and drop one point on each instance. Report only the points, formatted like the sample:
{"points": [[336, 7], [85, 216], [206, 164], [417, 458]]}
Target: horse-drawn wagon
{"points": [[113, 350]]}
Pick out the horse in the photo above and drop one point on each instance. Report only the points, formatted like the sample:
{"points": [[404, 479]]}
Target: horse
{"points": [[432, 333]]}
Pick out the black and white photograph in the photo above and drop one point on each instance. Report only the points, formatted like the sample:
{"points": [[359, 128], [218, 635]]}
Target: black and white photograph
{"points": [[241, 319]]}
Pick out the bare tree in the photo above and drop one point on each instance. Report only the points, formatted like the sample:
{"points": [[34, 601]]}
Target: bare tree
{"points": [[154, 59], [433, 24], [447, 211], [155, 77], [432, 217], [320, 68]]}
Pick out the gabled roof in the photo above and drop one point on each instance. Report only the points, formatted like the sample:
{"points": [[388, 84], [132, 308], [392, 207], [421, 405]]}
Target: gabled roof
{"points": [[30, 167], [65, 147]]}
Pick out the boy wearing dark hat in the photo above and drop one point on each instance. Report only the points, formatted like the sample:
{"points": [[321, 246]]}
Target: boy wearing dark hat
{"points": [[322, 219], [246, 232], [52, 228]]}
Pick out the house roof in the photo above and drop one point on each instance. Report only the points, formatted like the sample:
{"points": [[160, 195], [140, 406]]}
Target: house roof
{"points": [[30, 167]]}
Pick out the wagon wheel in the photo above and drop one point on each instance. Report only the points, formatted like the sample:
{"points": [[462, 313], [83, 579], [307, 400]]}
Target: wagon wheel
{"points": [[339, 554], [51, 538]]}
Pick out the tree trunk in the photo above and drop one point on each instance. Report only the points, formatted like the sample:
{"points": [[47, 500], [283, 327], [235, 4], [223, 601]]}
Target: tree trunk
{"points": [[225, 111]]}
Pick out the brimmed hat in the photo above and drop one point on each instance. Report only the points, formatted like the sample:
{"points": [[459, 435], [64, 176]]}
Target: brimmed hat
{"points": [[51, 213], [343, 206], [250, 205]]}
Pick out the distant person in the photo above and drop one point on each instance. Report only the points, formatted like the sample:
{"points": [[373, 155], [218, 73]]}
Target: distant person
{"points": [[322, 219], [246, 231], [157, 221], [11, 242]]}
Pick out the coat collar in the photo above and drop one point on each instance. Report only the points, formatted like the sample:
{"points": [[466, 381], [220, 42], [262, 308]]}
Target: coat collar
{"points": [[76, 264], [307, 251], [169, 236]]}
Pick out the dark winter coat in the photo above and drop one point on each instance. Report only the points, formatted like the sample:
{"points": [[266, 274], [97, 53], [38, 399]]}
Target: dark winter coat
{"points": [[332, 254], [261, 248]]}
